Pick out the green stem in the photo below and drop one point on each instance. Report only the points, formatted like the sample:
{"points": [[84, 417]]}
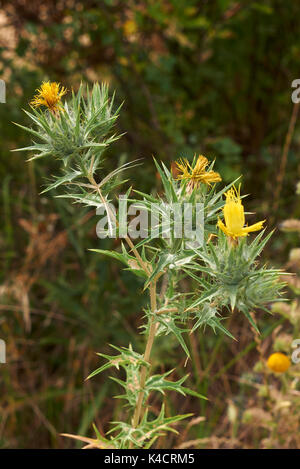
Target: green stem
{"points": [[152, 331], [153, 323]]}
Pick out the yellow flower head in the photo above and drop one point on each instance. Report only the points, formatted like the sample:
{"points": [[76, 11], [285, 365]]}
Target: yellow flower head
{"points": [[49, 95], [278, 362], [235, 217], [197, 173]]}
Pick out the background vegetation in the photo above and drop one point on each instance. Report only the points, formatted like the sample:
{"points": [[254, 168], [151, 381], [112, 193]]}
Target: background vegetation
{"points": [[211, 77]]}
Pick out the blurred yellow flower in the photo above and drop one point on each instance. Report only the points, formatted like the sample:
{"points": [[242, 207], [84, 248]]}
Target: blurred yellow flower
{"points": [[49, 95], [197, 174], [123, 61], [235, 217], [129, 27], [278, 362]]}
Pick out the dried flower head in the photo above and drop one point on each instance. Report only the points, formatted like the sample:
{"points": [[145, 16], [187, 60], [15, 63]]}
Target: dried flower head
{"points": [[196, 174]]}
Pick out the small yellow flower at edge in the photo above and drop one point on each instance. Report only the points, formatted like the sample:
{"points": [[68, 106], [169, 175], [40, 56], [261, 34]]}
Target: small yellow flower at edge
{"points": [[197, 173], [235, 217], [278, 362], [49, 95]]}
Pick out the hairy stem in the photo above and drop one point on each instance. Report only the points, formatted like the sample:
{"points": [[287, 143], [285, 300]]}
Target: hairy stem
{"points": [[152, 331], [153, 323]]}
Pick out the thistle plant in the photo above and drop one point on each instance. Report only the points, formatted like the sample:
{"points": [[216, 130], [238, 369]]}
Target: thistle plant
{"points": [[215, 256]]}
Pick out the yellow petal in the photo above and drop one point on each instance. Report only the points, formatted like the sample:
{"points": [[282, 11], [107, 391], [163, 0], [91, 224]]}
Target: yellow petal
{"points": [[210, 177], [222, 227], [255, 227], [234, 216], [201, 164]]}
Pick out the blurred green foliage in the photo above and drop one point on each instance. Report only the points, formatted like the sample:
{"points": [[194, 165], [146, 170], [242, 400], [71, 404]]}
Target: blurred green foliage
{"points": [[211, 77]]}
